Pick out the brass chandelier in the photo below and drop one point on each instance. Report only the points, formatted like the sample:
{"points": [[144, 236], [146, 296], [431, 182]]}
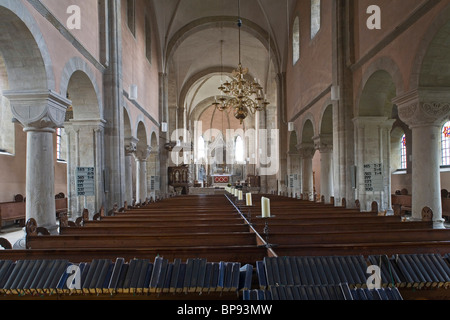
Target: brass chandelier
{"points": [[241, 95]]}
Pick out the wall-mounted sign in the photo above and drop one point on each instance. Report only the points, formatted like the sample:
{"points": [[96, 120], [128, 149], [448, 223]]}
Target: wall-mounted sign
{"points": [[373, 177], [85, 181]]}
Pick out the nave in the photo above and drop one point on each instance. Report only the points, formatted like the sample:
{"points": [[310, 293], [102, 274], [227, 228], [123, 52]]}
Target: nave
{"points": [[216, 247]]}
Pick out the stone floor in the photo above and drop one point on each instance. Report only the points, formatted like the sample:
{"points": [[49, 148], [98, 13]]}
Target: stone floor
{"points": [[12, 233]]}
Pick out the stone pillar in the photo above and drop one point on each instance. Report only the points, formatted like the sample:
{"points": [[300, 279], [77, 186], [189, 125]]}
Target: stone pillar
{"points": [[85, 149], [130, 150], [141, 157], [306, 151], [424, 110], [294, 169], [40, 113], [324, 143], [373, 146]]}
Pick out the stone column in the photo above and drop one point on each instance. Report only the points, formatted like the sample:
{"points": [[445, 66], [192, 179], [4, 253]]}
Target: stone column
{"points": [[424, 110], [324, 143], [294, 169], [306, 151], [373, 145], [141, 157], [40, 113], [130, 150], [85, 149]]}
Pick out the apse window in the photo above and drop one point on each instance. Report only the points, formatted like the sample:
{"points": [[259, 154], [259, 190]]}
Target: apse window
{"points": [[239, 150], [403, 157], [315, 17], [296, 41], [445, 144], [201, 150]]}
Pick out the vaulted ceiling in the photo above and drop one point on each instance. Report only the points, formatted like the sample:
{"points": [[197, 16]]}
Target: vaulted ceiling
{"points": [[199, 43]]}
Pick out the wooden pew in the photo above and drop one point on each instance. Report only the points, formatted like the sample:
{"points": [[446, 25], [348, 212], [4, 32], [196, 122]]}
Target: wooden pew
{"points": [[362, 235], [13, 211]]}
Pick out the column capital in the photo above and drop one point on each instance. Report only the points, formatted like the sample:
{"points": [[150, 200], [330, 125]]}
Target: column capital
{"points": [[130, 146], [424, 106], [142, 153], [306, 150], [323, 143], [38, 110]]}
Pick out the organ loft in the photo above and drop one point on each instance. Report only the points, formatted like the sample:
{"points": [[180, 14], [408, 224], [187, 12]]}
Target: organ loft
{"points": [[251, 150]]}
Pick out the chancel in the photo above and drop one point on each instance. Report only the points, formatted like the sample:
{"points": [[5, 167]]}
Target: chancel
{"points": [[235, 150]]}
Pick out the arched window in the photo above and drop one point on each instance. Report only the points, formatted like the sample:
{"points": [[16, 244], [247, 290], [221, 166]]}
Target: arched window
{"points": [[403, 157], [201, 151], [296, 41], [239, 152], [61, 150], [445, 144], [315, 17]]}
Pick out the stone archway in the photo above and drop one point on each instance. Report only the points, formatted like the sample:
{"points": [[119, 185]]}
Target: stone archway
{"points": [[307, 150], [34, 103], [324, 144], [85, 136], [373, 125]]}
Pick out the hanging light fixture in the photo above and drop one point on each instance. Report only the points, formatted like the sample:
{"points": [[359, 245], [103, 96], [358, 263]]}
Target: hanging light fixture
{"points": [[241, 95]]}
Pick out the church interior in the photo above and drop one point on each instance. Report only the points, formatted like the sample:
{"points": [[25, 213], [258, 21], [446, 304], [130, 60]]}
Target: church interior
{"points": [[225, 149]]}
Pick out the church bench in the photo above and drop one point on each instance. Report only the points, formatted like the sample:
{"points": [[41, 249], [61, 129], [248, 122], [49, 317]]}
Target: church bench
{"points": [[318, 220], [139, 241], [356, 236], [12, 211], [403, 204], [334, 226], [243, 254], [93, 227], [446, 208], [180, 221], [368, 248]]}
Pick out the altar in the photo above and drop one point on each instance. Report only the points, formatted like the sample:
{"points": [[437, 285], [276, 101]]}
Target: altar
{"points": [[221, 180]]}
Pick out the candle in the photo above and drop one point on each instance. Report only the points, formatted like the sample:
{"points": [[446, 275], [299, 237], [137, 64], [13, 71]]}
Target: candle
{"points": [[265, 207], [236, 192], [249, 199], [240, 198]]}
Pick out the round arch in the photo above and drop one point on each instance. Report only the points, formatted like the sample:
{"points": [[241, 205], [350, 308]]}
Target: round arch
{"points": [[432, 42], [78, 68], [32, 69], [223, 22]]}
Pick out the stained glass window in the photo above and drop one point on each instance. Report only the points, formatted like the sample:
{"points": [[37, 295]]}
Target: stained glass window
{"points": [[404, 163], [445, 143], [239, 150]]}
